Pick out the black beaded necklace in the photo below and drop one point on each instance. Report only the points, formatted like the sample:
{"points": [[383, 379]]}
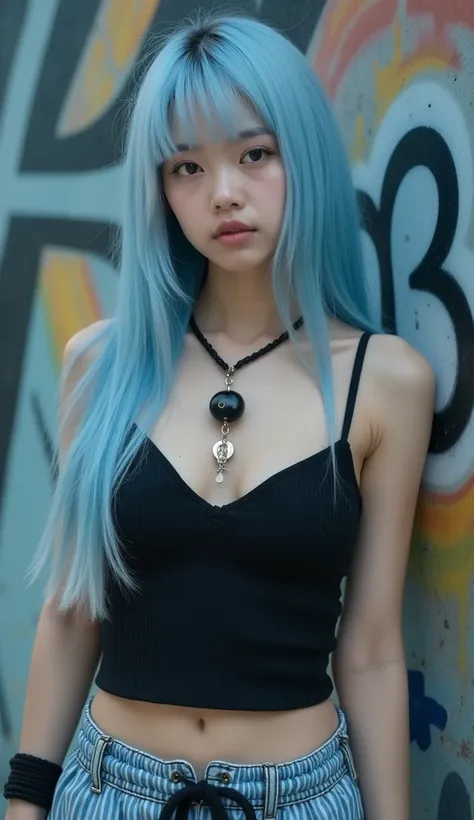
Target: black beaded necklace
{"points": [[228, 405]]}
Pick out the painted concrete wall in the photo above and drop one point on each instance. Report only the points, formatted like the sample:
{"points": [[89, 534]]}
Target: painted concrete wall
{"points": [[400, 73]]}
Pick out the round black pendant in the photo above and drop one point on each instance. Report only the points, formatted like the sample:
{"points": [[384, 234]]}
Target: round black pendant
{"points": [[227, 405]]}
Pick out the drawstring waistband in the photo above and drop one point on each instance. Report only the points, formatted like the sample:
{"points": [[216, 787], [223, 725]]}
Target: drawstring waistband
{"points": [[174, 786], [204, 792]]}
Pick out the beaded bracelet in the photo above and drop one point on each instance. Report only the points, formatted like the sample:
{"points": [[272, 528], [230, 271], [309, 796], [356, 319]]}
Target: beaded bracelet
{"points": [[32, 779]]}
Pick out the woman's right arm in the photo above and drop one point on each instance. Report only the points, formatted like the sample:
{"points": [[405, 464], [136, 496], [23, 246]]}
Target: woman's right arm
{"points": [[66, 650], [65, 656]]}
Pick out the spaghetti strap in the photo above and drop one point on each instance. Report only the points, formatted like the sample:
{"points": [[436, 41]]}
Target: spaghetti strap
{"points": [[354, 385]]}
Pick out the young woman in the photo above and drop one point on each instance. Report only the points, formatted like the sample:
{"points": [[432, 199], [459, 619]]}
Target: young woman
{"points": [[233, 444]]}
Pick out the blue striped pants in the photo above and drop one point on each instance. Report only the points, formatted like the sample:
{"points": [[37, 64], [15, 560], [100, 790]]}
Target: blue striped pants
{"points": [[105, 779]]}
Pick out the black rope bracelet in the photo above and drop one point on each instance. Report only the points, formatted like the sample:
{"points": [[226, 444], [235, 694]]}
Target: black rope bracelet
{"points": [[32, 779]]}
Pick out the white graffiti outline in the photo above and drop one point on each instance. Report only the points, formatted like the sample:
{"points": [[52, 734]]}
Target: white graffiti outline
{"points": [[428, 104]]}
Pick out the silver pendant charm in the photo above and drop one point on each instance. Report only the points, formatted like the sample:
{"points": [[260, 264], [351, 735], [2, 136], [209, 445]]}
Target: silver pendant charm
{"points": [[222, 451]]}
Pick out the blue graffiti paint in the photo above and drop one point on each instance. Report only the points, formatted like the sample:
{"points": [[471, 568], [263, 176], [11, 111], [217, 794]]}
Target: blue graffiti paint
{"points": [[425, 712]]}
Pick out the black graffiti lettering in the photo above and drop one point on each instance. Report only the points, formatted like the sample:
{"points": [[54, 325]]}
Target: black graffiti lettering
{"points": [[18, 284], [374, 222], [454, 800], [100, 144], [47, 440], [432, 277], [424, 146], [43, 149], [12, 14], [297, 20]]}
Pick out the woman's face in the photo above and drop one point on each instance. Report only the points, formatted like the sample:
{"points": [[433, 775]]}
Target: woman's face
{"points": [[217, 183]]}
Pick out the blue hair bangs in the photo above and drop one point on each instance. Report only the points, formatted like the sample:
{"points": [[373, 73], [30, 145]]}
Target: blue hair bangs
{"points": [[204, 72]]}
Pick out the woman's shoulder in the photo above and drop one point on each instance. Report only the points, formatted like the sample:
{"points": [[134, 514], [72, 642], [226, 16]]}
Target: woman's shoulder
{"points": [[86, 344], [390, 361], [399, 397], [396, 365], [82, 350], [80, 353]]}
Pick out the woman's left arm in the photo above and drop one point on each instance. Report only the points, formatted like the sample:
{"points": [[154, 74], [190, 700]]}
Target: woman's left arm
{"points": [[369, 665]]}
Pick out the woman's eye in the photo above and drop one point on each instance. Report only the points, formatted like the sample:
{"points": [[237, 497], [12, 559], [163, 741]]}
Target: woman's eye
{"points": [[187, 169], [255, 155]]}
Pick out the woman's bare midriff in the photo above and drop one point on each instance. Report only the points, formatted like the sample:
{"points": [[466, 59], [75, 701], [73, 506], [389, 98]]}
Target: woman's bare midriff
{"points": [[202, 735]]}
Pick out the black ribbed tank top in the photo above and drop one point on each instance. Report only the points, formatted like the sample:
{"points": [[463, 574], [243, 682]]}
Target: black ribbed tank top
{"points": [[237, 605]]}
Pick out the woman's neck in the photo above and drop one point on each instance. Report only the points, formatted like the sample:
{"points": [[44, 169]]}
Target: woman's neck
{"points": [[238, 304]]}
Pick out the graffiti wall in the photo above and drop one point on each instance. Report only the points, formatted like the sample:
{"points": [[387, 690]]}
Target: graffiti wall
{"points": [[399, 73], [400, 77]]}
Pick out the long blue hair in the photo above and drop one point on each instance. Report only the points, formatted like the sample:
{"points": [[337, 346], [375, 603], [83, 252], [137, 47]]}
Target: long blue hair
{"points": [[207, 66]]}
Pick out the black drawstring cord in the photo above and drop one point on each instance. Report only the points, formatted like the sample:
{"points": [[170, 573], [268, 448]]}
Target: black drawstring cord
{"points": [[206, 793]]}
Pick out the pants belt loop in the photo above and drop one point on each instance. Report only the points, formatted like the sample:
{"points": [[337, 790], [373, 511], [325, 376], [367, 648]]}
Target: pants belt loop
{"points": [[347, 752], [96, 762], [272, 791]]}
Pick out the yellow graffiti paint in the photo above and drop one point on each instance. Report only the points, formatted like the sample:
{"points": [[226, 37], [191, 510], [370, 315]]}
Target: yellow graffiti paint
{"points": [[344, 12], [359, 148], [441, 573], [111, 49], [442, 558], [390, 79], [126, 27], [447, 518], [68, 297]]}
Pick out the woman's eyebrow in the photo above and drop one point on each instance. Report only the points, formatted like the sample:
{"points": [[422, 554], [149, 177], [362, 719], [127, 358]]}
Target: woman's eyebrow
{"points": [[247, 134]]}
